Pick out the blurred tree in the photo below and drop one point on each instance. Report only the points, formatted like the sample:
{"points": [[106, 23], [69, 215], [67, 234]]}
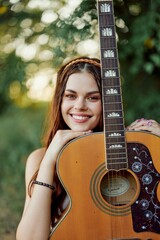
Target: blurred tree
{"points": [[38, 36], [139, 54], [46, 33]]}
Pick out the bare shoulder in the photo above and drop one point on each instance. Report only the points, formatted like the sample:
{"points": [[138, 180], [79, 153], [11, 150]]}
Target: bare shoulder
{"points": [[33, 163], [36, 156]]}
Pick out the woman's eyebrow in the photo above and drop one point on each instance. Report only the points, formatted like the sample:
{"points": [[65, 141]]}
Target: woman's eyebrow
{"points": [[93, 92], [88, 93], [70, 90]]}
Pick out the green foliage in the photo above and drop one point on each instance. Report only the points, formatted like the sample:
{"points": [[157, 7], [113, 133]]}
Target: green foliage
{"points": [[12, 70], [137, 26], [139, 48], [139, 55], [20, 134]]}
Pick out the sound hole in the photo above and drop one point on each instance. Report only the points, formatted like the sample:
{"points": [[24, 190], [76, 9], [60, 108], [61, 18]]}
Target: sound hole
{"points": [[118, 188]]}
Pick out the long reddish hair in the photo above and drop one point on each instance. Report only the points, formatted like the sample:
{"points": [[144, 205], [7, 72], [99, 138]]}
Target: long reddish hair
{"points": [[56, 122]]}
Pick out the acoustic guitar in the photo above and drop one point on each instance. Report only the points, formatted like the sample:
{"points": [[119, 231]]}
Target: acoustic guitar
{"points": [[111, 178]]}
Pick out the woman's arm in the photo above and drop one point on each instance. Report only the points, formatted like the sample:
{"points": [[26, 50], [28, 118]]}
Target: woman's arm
{"points": [[36, 218], [145, 125]]}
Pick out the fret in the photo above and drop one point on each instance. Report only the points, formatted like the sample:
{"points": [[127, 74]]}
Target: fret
{"points": [[114, 121], [111, 82], [116, 161], [111, 90], [112, 109], [112, 143], [115, 150], [110, 62], [110, 43], [111, 69], [114, 133], [114, 128], [111, 166], [116, 140], [112, 151], [112, 106], [116, 164], [120, 112], [116, 146], [123, 163], [117, 155], [112, 100], [112, 115], [106, 20], [110, 119]]}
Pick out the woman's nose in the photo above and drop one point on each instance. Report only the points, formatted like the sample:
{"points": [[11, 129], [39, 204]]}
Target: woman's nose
{"points": [[80, 104]]}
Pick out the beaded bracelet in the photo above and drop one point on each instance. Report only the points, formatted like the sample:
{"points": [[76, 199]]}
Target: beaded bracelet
{"points": [[45, 185]]}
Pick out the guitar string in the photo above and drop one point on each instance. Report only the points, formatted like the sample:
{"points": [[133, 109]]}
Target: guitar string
{"points": [[112, 174]]}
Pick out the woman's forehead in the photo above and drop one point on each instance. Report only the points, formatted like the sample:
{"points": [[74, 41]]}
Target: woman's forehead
{"points": [[83, 80]]}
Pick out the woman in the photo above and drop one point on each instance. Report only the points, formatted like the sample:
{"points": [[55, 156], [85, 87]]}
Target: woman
{"points": [[76, 110], [145, 125]]}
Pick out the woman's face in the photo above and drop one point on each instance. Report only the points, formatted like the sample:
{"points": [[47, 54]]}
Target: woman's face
{"points": [[81, 103]]}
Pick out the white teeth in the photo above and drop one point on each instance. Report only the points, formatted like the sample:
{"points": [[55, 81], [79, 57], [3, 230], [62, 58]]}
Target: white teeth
{"points": [[79, 117]]}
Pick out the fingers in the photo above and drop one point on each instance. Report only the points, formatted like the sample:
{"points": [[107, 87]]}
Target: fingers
{"points": [[60, 139], [145, 125], [73, 134], [63, 136], [87, 132], [140, 123]]}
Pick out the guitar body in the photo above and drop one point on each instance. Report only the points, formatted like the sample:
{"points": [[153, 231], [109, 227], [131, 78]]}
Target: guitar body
{"points": [[106, 204]]}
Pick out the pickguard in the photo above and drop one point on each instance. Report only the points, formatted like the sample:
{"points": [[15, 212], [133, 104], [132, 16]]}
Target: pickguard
{"points": [[146, 209]]}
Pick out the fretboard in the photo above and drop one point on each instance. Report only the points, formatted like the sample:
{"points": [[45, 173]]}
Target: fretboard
{"points": [[116, 155]]}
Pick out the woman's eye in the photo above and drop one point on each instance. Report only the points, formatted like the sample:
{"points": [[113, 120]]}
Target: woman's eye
{"points": [[93, 98], [70, 96]]}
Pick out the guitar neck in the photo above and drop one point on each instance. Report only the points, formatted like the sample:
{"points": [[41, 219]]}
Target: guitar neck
{"points": [[111, 88]]}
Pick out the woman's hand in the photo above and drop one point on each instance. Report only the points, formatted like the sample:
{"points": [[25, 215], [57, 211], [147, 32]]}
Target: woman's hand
{"points": [[60, 139], [145, 125]]}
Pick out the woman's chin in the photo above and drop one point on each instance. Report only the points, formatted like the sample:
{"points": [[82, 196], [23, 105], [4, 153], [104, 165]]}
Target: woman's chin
{"points": [[80, 129]]}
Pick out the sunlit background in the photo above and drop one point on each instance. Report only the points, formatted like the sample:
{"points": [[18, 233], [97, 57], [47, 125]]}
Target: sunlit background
{"points": [[36, 38], [41, 76]]}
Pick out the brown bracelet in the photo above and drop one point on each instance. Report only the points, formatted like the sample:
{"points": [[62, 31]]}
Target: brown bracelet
{"points": [[45, 185]]}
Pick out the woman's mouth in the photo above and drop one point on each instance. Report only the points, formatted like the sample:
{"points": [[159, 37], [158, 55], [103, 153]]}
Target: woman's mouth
{"points": [[80, 118]]}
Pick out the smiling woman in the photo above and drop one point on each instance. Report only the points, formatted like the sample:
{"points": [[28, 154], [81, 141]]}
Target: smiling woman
{"points": [[81, 103], [76, 110]]}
